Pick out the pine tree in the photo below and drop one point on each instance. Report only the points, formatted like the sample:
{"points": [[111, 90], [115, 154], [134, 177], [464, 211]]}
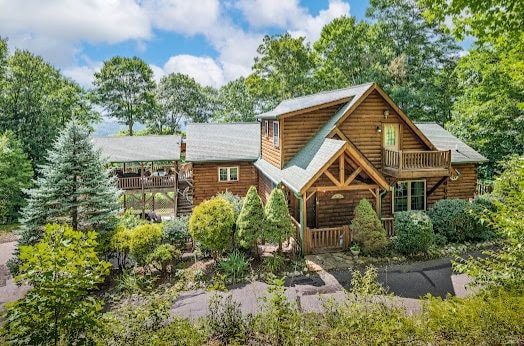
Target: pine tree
{"points": [[367, 228], [279, 224], [251, 221], [73, 187]]}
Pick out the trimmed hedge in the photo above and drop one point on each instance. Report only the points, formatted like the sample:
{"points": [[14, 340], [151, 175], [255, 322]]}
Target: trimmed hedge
{"points": [[414, 232], [367, 229]]}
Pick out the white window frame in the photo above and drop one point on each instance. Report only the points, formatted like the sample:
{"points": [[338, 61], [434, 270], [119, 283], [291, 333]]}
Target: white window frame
{"points": [[228, 169], [408, 183], [276, 138], [266, 127]]}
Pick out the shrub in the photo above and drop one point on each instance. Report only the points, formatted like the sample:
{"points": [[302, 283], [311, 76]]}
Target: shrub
{"points": [[236, 201], [451, 218], [251, 220], [234, 266], [414, 232], [131, 283], [163, 256], [120, 243], [367, 228], [481, 210], [176, 231], [61, 269], [225, 320], [279, 225], [144, 240], [367, 284], [130, 219], [273, 264], [211, 224]]}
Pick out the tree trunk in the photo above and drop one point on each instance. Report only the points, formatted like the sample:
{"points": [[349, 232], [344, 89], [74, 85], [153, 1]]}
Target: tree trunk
{"points": [[130, 125]]}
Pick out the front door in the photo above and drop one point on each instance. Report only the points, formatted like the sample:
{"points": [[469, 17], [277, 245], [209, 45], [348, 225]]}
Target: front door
{"points": [[391, 136]]}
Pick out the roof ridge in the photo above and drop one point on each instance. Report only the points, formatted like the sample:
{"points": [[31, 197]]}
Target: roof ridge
{"points": [[325, 92]]}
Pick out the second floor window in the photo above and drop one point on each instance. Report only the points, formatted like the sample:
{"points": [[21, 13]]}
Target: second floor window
{"points": [[275, 133], [391, 136], [228, 174], [409, 195]]}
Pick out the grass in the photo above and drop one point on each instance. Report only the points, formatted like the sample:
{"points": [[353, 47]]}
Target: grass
{"points": [[7, 232]]}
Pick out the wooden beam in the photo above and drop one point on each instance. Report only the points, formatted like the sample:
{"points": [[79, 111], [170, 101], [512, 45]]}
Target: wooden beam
{"points": [[321, 170], [353, 176], [310, 195], [343, 188], [373, 193], [378, 203], [332, 178], [341, 164], [436, 186]]}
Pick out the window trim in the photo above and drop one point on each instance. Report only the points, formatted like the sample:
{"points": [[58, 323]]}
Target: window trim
{"points": [[409, 194], [266, 127], [228, 172], [277, 137]]}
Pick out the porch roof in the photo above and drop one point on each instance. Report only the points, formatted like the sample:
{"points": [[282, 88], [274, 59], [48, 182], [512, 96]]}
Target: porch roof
{"points": [[303, 167], [444, 140], [139, 148]]}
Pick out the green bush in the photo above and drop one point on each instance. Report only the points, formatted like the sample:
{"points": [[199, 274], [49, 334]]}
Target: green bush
{"points": [[414, 232], [130, 219], [211, 224], [163, 256], [367, 229], [235, 201], [251, 221], [279, 226], [273, 264], [234, 266], [226, 322], [143, 241], [481, 209], [176, 231], [451, 218]]}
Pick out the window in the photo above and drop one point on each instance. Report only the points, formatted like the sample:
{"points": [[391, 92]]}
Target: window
{"points": [[228, 174], [275, 133], [391, 137], [409, 195], [266, 127]]}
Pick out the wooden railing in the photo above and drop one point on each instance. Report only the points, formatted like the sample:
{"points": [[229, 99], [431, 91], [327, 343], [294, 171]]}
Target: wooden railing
{"points": [[135, 183], [388, 223], [318, 240], [415, 160], [483, 187]]}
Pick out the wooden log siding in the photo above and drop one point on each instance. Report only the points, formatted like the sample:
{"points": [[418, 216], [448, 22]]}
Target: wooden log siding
{"points": [[265, 185], [206, 184], [361, 128], [299, 129], [464, 187], [270, 152]]}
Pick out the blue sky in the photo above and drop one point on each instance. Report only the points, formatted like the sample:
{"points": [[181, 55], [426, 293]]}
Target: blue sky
{"points": [[214, 41]]}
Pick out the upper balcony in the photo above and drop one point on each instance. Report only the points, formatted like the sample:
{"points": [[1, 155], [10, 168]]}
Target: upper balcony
{"points": [[416, 164]]}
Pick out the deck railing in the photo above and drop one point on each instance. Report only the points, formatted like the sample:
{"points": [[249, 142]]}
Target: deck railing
{"points": [[317, 240], [415, 160], [483, 187], [135, 183]]}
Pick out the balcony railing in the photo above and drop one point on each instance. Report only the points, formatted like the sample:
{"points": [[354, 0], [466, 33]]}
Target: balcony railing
{"points": [[399, 163], [135, 183]]}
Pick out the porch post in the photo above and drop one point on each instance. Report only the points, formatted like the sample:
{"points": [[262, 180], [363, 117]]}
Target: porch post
{"points": [[378, 201], [301, 200]]}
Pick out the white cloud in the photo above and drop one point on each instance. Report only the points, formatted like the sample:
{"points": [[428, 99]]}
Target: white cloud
{"points": [[289, 15], [203, 69], [183, 16], [83, 75]]}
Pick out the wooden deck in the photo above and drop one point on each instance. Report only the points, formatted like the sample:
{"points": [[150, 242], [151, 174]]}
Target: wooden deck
{"points": [[416, 164]]}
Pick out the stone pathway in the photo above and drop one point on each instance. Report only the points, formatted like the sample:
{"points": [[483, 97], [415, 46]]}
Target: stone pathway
{"points": [[9, 291]]}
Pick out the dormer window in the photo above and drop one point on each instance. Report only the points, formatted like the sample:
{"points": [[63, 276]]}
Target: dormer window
{"points": [[266, 127], [276, 133]]}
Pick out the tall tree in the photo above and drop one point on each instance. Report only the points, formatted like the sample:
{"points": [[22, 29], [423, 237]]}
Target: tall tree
{"points": [[125, 88], [36, 102], [62, 270], [180, 99], [15, 176], [488, 21], [420, 50], [74, 187], [279, 225], [489, 113], [282, 70], [350, 53], [251, 221], [235, 103]]}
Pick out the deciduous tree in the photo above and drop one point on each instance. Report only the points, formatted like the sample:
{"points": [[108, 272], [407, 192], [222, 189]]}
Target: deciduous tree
{"points": [[125, 88]]}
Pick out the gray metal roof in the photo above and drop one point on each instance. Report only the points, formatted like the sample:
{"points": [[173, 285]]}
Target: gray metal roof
{"points": [[223, 142], [301, 169], [139, 148], [308, 101], [443, 140]]}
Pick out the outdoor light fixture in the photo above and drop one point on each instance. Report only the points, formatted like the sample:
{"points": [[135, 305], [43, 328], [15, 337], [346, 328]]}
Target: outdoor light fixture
{"points": [[386, 113], [379, 129], [337, 196]]}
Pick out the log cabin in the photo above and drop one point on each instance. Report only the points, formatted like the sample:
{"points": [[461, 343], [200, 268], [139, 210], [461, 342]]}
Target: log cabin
{"points": [[328, 151]]}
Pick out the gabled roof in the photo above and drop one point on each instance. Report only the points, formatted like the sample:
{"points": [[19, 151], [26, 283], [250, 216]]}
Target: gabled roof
{"points": [[139, 148], [223, 142], [303, 167], [322, 98], [443, 140]]}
